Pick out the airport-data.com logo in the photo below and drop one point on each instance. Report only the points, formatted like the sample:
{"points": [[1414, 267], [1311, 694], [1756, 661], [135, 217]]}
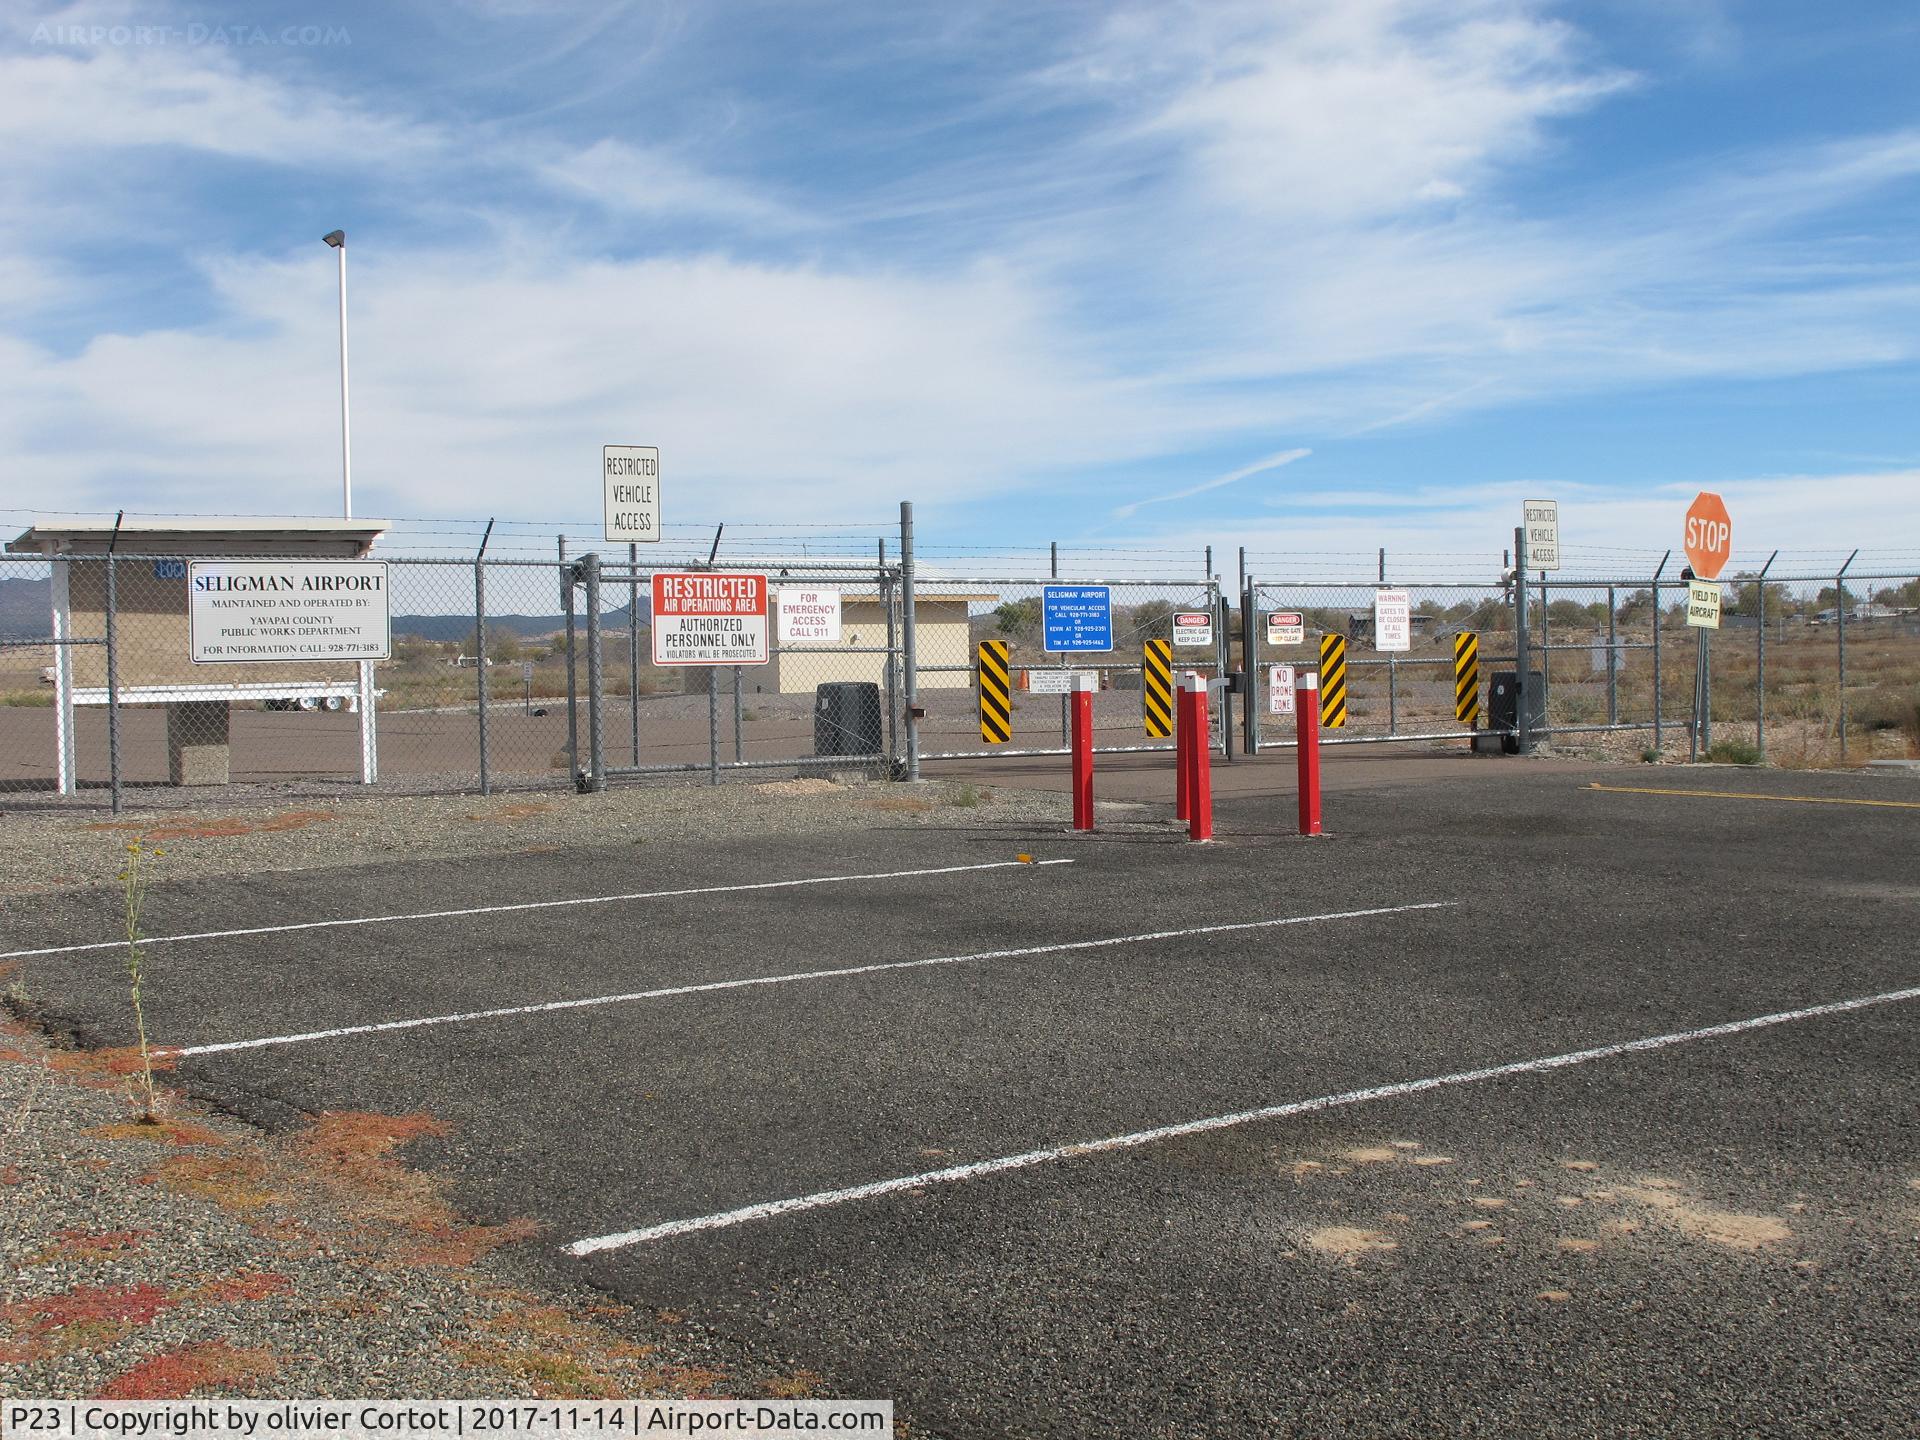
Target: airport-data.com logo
{"points": [[234, 36]]}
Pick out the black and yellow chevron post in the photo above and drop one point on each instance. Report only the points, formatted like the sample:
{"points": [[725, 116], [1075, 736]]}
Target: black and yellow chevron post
{"points": [[1156, 687], [1466, 678], [1333, 682], [996, 703]]}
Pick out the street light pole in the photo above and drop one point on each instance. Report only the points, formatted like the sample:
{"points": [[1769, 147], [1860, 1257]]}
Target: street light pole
{"points": [[338, 240]]}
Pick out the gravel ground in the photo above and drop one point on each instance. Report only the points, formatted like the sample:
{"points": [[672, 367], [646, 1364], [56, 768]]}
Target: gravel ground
{"points": [[41, 851], [198, 1256]]}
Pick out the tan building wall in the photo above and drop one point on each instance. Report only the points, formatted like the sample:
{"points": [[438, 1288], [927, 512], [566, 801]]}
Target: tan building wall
{"points": [[152, 636]]}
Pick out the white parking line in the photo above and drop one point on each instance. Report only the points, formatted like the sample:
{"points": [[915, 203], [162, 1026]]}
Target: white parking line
{"points": [[550, 1006], [955, 1173], [531, 905]]}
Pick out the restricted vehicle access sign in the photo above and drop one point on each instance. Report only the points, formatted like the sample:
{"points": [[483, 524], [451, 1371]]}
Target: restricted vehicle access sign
{"points": [[1193, 628], [631, 497], [709, 618], [1286, 627]]}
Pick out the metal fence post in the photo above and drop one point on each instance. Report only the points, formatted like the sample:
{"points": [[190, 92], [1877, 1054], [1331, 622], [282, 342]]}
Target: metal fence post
{"points": [[113, 677], [1613, 660], [1760, 660], [1523, 725], [1840, 600], [1224, 651], [739, 719], [713, 724], [573, 687], [910, 652], [1546, 650], [1249, 659], [1053, 569], [1655, 589], [888, 597], [480, 649], [596, 680], [633, 645]]}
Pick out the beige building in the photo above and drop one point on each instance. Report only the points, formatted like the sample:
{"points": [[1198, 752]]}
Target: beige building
{"points": [[942, 637]]}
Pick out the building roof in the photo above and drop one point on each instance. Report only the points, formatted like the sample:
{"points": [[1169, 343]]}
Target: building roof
{"points": [[175, 535]]}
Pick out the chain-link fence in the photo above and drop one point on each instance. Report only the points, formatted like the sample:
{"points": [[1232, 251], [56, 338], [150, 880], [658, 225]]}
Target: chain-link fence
{"points": [[500, 673], [1804, 669], [1013, 611]]}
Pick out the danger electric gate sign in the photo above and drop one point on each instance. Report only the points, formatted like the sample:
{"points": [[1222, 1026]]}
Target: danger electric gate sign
{"points": [[709, 618]]}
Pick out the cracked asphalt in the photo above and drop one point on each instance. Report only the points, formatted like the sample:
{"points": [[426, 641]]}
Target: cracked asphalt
{"points": [[1719, 1237]]}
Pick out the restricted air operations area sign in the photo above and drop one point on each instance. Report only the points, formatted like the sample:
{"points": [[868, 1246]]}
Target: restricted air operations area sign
{"points": [[709, 618], [254, 610]]}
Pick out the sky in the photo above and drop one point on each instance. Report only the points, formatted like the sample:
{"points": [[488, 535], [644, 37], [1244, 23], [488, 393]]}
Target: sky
{"points": [[1310, 277]]}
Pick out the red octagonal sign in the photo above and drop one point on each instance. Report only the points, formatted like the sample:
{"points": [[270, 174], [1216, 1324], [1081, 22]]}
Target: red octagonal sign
{"points": [[1709, 535]]}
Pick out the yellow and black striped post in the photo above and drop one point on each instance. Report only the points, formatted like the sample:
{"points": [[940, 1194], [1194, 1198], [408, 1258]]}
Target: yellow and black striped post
{"points": [[1466, 678], [1333, 682], [996, 704], [1156, 687]]}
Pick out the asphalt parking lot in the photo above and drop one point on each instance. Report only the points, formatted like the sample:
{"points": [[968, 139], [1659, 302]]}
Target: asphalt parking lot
{"points": [[1268, 1136]]}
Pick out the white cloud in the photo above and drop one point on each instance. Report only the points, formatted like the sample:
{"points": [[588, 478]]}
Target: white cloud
{"points": [[1270, 462]]}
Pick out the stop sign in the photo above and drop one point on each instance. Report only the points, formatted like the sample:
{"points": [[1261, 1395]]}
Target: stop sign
{"points": [[1709, 535]]}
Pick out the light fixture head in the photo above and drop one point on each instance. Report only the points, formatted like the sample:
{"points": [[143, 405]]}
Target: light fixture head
{"points": [[336, 238]]}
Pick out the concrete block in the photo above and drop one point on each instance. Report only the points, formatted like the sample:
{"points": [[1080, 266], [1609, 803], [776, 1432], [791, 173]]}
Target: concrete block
{"points": [[197, 752]]}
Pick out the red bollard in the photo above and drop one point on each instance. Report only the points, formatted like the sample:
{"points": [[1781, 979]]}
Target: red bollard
{"points": [[1083, 752], [1306, 716], [1199, 760]]}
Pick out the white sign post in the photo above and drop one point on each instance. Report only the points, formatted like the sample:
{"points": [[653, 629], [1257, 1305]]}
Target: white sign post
{"points": [[1392, 620], [1703, 604], [1280, 689], [809, 617], [1193, 629], [709, 618], [1542, 519], [254, 610], [631, 498]]}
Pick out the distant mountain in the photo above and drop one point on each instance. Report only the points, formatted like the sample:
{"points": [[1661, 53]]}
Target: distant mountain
{"points": [[527, 627], [26, 609]]}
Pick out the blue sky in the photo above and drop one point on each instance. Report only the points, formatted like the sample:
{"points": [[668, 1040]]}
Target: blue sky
{"points": [[1309, 275]]}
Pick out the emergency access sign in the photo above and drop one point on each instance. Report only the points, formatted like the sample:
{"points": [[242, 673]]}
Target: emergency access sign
{"points": [[709, 618]]}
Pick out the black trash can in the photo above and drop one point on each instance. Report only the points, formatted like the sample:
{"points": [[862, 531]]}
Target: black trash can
{"points": [[1503, 711], [847, 719]]}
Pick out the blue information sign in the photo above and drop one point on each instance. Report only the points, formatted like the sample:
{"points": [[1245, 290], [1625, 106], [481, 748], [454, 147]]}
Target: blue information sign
{"points": [[1076, 618]]}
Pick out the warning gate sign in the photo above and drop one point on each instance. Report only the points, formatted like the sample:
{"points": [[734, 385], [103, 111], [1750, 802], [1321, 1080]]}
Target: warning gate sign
{"points": [[709, 618]]}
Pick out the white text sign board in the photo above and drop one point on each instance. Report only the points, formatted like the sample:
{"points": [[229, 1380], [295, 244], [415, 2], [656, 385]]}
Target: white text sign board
{"points": [[253, 610], [1392, 620], [631, 499], [709, 618], [1193, 629], [1703, 604], [1542, 519], [809, 617], [1286, 627], [1280, 690], [1055, 682]]}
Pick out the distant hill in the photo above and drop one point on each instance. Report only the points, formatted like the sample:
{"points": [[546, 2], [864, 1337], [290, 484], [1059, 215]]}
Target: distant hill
{"points": [[527, 627]]}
